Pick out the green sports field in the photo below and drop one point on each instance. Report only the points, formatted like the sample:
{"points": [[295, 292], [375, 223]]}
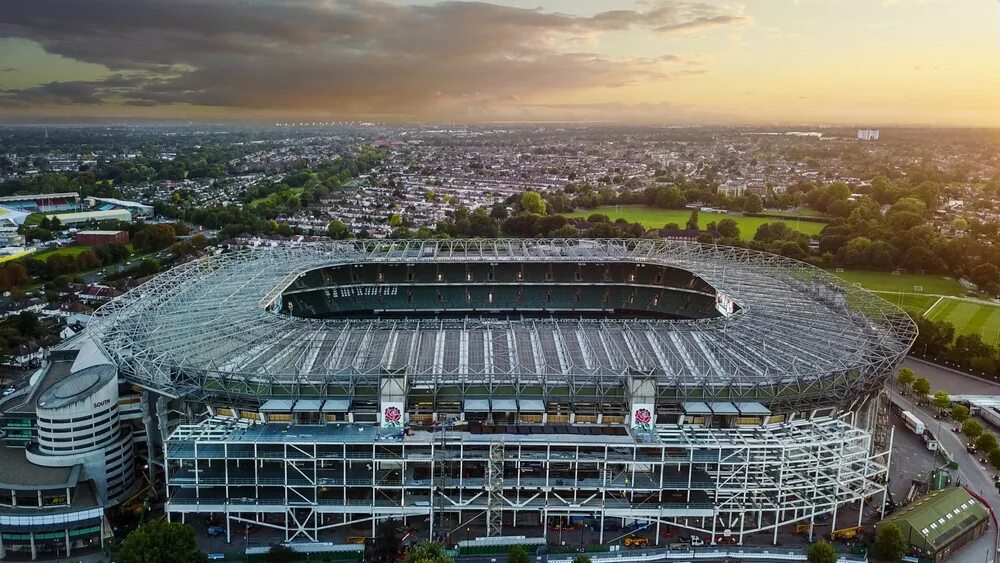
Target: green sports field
{"points": [[913, 304], [969, 317], [651, 217], [903, 283], [937, 298], [64, 251]]}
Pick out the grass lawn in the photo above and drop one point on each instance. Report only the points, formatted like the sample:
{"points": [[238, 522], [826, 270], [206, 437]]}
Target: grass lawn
{"points": [[969, 317], [800, 212], [903, 283], [64, 251], [913, 304], [651, 217]]}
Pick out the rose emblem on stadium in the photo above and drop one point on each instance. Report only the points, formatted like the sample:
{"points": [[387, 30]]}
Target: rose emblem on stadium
{"points": [[642, 419], [392, 416]]}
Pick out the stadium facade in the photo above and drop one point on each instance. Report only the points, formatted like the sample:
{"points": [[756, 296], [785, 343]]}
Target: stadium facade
{"points": [[507, 382]]}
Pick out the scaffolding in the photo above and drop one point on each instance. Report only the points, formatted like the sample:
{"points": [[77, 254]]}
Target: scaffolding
{"points": [[494, 514], [310, 480]]}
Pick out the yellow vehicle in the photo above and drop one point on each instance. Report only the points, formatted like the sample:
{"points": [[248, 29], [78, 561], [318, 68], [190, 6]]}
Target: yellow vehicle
{"points": [[357, 539], [847, 533], [803, 528], [636, 541]]}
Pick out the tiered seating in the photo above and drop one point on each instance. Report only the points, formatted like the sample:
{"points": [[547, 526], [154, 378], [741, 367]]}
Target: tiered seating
{"points": [[561, 287]]}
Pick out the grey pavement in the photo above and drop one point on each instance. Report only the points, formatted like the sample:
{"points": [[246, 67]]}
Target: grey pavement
{"points": [[952, 381]]}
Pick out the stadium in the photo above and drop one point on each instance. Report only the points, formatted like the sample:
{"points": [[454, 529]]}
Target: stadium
{"points": [[508, 384]]}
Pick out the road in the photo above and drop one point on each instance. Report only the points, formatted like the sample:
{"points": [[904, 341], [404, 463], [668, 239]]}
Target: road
{"points": [[970, 473]]}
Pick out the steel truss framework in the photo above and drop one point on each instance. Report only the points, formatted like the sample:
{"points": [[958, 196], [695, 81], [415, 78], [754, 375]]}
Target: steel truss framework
{"points": [[734, 481], [801, 337]]}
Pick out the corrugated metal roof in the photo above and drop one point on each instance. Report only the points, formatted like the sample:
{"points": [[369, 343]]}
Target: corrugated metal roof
{"points": [[531, 405], [476, 405], [937, 519], [726, 409], [695, 407], [336, 405], [277, 405], [503, 405], [308, 405], [753, 409]]}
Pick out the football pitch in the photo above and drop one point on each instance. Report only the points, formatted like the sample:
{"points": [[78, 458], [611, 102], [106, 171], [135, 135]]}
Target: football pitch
{"points": [[903, 283], [654, 218], [937, 298], [968, 317]]}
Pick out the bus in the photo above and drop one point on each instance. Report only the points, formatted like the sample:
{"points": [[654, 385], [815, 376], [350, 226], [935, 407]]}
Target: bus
{"points": [[913, 423]]}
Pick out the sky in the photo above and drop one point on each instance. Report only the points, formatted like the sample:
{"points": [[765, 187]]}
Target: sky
{"points": [[868, 63]]}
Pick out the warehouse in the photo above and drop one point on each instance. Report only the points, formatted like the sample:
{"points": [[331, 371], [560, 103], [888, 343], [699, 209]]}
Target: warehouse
{"points": [[98, 238], [942, 522]]}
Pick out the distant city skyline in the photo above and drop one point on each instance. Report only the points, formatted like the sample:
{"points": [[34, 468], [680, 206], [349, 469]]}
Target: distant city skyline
{"points": [[870, 63]]}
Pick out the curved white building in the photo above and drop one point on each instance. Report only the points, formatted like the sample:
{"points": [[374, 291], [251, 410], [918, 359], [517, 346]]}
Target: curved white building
{"points": [[78, 424], [66, 457]]}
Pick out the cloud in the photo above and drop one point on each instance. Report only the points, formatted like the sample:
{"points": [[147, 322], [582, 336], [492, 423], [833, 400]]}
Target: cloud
{"points": [[75, 92], [350, 57]]}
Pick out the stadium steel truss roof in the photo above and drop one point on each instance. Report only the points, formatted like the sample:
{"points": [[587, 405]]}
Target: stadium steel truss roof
{"points": [[801, 337]]}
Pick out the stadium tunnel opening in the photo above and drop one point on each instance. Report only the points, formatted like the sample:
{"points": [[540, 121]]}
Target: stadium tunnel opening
{"points": [[449, 290]]}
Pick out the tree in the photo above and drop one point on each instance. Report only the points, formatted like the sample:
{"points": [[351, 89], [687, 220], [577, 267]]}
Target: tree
{"points": [[821, 552], [986, 442], [972, 429], [941, 401], [921, 387], [729, 228], [517, 554], [532, 202], [581, 559], [889, 543], [147, 267], [905, 378], [338, 230], [160, 542], [960, 413], [994, 458], [692, 222], [987, 277], [753, 204], [427, 552], [386, 544]]}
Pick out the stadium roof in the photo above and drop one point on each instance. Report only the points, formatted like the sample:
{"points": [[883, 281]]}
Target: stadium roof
{"points": [[801, 336]]}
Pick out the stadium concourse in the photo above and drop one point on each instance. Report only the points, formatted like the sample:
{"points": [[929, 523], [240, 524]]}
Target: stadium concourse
{"points": [[309, 387]]}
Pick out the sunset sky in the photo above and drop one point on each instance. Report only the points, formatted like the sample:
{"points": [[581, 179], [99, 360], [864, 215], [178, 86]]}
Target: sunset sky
{"points": [[853, 62]]}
